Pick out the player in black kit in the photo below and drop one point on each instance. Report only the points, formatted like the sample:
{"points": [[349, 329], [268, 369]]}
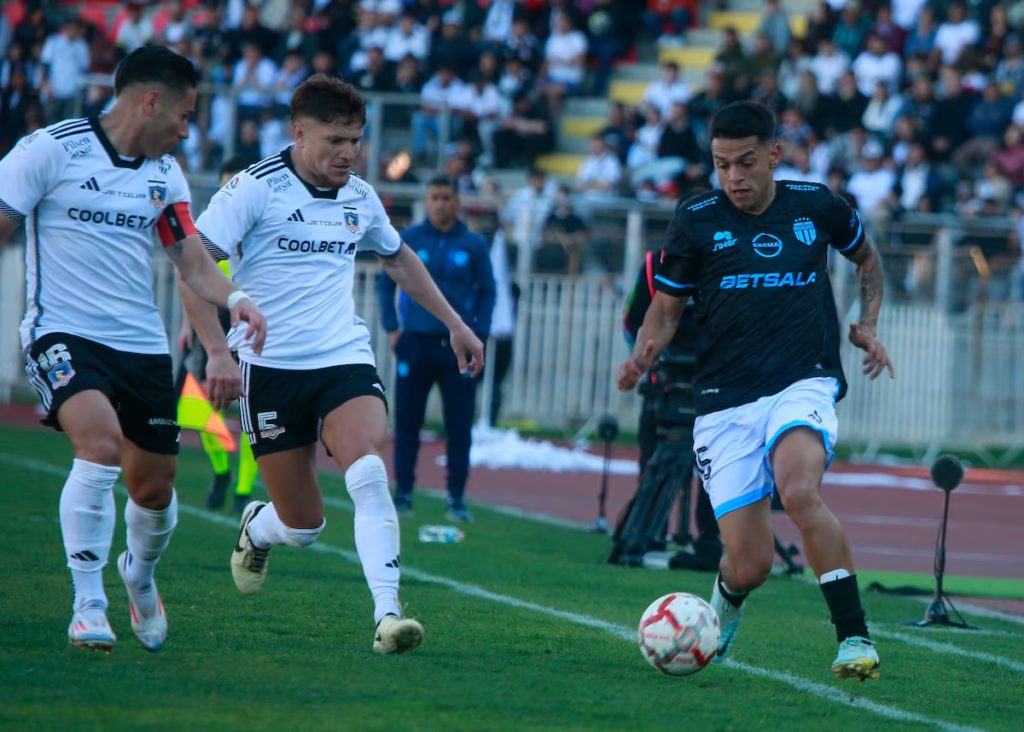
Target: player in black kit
{"points": [[768, 368]]}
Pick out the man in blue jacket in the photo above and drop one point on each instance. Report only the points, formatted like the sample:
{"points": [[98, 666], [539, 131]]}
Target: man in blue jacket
{"points": [[459, 262]]}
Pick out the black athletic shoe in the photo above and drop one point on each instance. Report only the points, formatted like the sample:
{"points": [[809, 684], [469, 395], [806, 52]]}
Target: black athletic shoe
{"points": [[218, 489]]}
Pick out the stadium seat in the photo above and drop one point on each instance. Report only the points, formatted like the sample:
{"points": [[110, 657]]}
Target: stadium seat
{"points": [[581, 126], [699, 58], [560, 163], [627, 92]]}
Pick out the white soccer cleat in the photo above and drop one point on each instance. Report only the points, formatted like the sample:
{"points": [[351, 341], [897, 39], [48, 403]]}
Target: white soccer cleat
{"points": [[149, 622], [249, 562], [89, 629], [397, 635], [729, 617], [857, 659]]}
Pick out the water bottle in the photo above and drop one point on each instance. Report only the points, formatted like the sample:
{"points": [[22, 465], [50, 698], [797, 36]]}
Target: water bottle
{"points": [[440, 534]]}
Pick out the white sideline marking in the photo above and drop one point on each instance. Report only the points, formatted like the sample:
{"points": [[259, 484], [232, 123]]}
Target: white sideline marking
{"points": [[951, 631], [948, 648], [828, 693]]}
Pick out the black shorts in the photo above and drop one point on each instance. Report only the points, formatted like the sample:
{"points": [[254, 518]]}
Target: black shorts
{"points": [[140, 386], [285, 409]]}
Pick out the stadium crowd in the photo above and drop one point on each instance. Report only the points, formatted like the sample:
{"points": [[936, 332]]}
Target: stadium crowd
{"points": [[904, 106]]}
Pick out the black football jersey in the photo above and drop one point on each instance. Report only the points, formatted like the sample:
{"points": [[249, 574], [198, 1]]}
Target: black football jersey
{"points": [[767, 315]]}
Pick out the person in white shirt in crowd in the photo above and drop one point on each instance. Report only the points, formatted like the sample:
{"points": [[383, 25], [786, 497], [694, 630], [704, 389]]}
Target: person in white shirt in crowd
{"points": [[905, 12], [253, 79], [408, 38], [916, 180], [136, 29], [371, 33], [668, 90], [598, 178], [565, 59], [64, 58], [799, 168], [648, 137], [480, 107], [498, 23], [389, 11], [957, 34], [292, 73], [876, 64], [537, 197], [883, 109], [444, 88], [829, 66], [872, 183]]}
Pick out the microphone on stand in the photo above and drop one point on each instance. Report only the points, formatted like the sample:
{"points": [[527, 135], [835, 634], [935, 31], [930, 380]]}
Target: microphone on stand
{"points": [[947, 473]]}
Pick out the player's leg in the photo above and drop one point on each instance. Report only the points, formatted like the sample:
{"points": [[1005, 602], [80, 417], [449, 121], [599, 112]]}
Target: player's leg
{"points": [[148, 412], [355, 432], [803, 430], [247, 472], [458, 397], [76, 392], [415, 379], [221, 465], [282, 429], [729, 455]]}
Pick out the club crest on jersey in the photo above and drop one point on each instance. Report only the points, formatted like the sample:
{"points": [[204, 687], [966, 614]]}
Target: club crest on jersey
{"points": [[804, 230], [60, 375], [352, 221], [157, 196]]}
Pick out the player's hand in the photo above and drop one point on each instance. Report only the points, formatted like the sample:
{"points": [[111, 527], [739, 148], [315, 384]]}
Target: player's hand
{"points": [[223, 380], [246, 310], [393, 338], [468, 349], [634, 367], [877, 360], [186, 338]]}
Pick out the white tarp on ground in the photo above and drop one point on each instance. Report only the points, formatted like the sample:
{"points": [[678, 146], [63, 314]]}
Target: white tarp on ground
{"points": [[506, 449]]}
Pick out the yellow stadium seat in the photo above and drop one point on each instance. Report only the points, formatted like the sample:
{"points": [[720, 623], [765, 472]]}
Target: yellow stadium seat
{"points": [[693, 57], [582, 126], [628, 92], [560, 163], [798, 25], [744, 23]]}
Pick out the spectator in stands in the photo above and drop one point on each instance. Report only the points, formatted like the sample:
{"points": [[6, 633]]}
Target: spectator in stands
{"points": [[611, 28], [916, 179], [64, 58], [994, 186], [793, 130], [1010, 69], [851, 29], [904, 135], [732, 59], [767, 92], [292, 73], [809, 102], [568, 230], [921, 40], [799, 168], [762, 58], [565, 56], [648, 138], [297, 39], [956, 34], [480, 108], [525, 134], [873, 183], [846, 107], [678, 139], [884, 107], [667, 17], [428, 14], [498, 23], [253, 80], [135, 29], [523, 45], [775, 25], [514, 79], [708, 101], [667, 91], [15, 101], [408, 38], [795, 62], [837, 181], [877, 63], [949, 126], [15, 61], [538, 198], [440, 91], [460, 169], [993, 44], [821, 24], [251, 32], [884, 27], [214, 37], [1009, 158], [488, 66], [906, 12], [618, 132], [453, 48], [989, 117], [599, 176], [379, 75], [829, 65]]}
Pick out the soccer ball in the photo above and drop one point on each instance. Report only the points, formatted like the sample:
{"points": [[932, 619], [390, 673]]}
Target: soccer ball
{"points": [[679, 634]]}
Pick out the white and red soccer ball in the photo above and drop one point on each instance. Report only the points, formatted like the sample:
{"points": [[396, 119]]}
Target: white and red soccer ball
{"points": [[679, 634]]}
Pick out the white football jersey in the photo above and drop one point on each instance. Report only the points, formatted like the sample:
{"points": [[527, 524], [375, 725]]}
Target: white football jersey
{"points": [[292, 248], [90, 216]]}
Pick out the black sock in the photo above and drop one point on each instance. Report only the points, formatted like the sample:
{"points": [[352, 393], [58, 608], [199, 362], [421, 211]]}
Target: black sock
{"points": [[731, 597], [843, 598]]}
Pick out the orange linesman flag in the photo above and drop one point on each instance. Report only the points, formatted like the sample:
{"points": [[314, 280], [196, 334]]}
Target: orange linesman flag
{"points": [[195, 412]]}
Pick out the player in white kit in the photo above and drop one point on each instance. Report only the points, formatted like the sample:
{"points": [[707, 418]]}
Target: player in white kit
{"points": [[291, 226], [92, 193]]}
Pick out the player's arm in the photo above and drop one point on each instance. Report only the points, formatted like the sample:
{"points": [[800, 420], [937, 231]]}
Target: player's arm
{"points": [[409, 273], [848, 236], [7, 227], [27, 174]]}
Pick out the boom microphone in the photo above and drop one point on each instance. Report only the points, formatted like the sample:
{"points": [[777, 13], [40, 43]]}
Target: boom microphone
{"points": [[947, 472]]}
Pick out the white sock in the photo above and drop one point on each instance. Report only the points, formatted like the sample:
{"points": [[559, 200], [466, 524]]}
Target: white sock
{"points": [[376, 529], [267, 530], [149, 532], [87, 518]]}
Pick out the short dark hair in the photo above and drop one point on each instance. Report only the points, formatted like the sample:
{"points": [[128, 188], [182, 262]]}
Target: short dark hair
{"points": [[442, 181], [155, 65], [328, 99], [236, 164], [740, 120]]}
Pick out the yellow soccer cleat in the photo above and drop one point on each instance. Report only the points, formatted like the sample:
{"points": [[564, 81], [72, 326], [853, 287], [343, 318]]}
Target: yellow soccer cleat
{"points": [[857, 659]]}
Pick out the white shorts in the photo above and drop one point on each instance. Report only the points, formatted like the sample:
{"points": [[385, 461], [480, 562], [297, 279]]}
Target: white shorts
{"points": [[733, 446]]}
